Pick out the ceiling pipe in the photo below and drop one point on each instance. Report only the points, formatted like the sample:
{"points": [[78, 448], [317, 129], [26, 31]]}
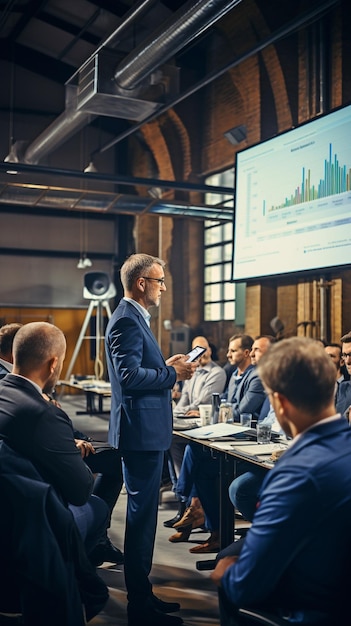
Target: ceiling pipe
{"points": [[188, 22], [73, 120], [120, 179], [303, 20], [69, 122], [114, 38]]}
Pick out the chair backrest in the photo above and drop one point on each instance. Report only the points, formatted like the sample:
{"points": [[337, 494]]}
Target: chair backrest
{"points": [[37, 544], [248, 617]]}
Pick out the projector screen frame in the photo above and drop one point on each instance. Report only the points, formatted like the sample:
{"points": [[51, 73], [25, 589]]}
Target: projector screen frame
{"points": [[296, 134]]}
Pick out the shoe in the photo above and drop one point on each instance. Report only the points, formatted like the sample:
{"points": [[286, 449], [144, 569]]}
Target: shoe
{"points": [[170, 522], [166, 486], [164, 607], [145, 616], [181, 535], [211, 545], [106, 551], [194, 516]]}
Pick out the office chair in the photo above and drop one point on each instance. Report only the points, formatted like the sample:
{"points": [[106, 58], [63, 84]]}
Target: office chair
{"points": [[46, 575], [11, 619], [256, 616]]}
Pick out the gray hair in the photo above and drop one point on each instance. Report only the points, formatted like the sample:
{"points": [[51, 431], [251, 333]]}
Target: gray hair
{"points": [[135, 266]]}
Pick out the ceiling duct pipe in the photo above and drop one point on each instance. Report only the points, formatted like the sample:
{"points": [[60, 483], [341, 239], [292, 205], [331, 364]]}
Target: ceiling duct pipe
{"points": [[69, 122], [190, 21], [73, 119], [187, 23]]}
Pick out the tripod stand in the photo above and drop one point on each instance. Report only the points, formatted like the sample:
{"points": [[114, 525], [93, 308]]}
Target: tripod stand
{"points": [[99, 305]]}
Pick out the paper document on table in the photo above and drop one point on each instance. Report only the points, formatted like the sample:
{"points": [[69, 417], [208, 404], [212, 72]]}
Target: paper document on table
{"points": [[216, 430], [258, 449], [186, 423]]}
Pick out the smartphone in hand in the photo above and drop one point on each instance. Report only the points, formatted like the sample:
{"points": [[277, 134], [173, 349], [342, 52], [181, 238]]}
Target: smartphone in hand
{"points": [[195, 353]]}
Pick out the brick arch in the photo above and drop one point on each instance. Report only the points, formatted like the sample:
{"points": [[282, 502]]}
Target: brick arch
{"points": [[156, 142], [245, 77], [177, 136], [168, 141], [275, 72]]}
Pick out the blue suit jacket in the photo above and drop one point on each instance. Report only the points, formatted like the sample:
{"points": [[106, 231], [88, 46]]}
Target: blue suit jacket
{"points": [[343, 397], [141, 383], [297, 553], [249, 395]]}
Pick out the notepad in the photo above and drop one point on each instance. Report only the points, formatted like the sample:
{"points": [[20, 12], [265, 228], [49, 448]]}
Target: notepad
{"points": [[258, 449], [216, 430], [186, 423]]}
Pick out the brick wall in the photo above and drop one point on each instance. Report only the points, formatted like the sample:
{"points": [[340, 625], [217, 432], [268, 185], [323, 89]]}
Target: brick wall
{"points": [[269, 92]]}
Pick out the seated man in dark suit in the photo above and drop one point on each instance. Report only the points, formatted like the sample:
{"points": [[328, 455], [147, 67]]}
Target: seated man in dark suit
{"points": [[285, 564], [104, 462], [42, 432]]}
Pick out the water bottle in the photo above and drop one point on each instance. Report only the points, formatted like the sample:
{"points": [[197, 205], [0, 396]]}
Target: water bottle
{"points": [[215, 407], [225, 411]]}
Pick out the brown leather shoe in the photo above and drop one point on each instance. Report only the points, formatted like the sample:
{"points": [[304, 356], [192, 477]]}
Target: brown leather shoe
{"points": [[181, 535], [194, 516], [211, 545]]}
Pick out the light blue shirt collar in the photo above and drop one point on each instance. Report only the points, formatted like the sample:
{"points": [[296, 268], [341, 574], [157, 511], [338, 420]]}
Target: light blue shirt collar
{"points": [[146, 315]]}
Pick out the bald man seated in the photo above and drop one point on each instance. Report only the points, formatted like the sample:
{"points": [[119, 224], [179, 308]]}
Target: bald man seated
{"points": [[42, 432]]}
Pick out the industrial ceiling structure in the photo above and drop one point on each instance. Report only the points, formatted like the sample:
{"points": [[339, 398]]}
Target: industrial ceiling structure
{"points": [[116, 63]]}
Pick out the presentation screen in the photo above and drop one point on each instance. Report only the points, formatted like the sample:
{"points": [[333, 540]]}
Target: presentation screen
{"points": [[293, 200]]}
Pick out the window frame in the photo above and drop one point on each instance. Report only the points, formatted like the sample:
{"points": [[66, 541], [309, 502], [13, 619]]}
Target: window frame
{"points": [[219, 302]]}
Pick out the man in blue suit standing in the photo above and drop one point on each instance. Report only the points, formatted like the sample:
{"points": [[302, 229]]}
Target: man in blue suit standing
{"points": [[286, 564], [141, 425]]}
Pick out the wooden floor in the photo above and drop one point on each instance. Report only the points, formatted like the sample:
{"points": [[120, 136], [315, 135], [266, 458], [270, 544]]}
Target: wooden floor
{"points": [[174, 574]]}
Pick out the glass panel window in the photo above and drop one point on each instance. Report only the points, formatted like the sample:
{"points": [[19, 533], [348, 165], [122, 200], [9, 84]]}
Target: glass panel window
{"points": [[213, 312], [229, 310]]}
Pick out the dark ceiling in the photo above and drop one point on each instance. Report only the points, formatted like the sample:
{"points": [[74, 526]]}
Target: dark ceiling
{"points": [[47, 41], [44, 42]]}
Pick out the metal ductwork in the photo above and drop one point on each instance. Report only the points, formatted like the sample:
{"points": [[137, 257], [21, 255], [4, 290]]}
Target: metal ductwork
{"points": [[125, 96], [189, 22], [69, 122]]}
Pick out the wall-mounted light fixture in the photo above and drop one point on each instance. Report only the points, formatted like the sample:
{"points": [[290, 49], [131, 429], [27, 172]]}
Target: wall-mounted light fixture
{"points": [[236, 135]]}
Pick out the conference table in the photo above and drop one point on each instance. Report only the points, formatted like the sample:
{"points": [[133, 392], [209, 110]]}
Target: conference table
{"points": [[232, 444], [94, 390]]}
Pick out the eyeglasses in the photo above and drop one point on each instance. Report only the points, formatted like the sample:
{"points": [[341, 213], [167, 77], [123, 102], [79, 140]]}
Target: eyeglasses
{"points": [[346, 355], [161, 281]]}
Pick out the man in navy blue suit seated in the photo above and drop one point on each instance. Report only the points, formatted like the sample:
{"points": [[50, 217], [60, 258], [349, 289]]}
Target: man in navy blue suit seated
{"points": [[286, 564]]}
